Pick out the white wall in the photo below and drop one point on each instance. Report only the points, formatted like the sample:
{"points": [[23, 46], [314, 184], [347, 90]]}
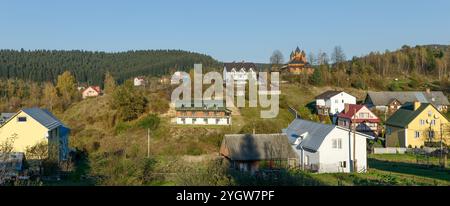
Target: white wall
{"points": [[330, 157], [337, 103]]}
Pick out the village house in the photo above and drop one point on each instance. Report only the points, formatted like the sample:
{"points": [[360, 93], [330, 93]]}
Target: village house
{"points": [[91, 91], [326, 148], [298, 64], [359, 117], [391, 101], [333, 102], [414, 124], [139, 81], [212, 112], [239, 72], [256, 152], [32, 126]]}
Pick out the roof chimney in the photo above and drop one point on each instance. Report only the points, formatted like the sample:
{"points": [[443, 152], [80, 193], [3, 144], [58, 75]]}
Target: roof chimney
{"points": [[416, 105]]}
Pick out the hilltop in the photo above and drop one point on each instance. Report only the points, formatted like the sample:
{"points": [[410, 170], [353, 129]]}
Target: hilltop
{"points": [[90, 67]]}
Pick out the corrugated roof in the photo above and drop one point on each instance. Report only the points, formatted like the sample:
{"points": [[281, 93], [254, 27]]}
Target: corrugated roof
{"points": [[328, 94], [315, 133], [251, 147], [403, 116], [44, 117], [384, 98]]}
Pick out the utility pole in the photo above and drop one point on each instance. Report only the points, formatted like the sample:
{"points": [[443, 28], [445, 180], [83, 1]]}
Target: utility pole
{"points": [[148, 143]]}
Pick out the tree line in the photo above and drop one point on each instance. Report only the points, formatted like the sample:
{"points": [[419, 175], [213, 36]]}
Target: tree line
{"points": [[90, 67]]}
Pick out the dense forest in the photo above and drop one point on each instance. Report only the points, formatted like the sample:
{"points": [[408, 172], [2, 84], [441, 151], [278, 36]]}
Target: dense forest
{"points": [[90, 67], [409, 68]]}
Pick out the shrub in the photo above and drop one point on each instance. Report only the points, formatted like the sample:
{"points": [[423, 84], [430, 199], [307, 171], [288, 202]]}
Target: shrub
{"points": [[151, 121]]}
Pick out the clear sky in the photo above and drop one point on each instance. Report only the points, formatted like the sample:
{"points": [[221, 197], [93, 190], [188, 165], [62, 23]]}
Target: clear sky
{"points": [[228, 30]]}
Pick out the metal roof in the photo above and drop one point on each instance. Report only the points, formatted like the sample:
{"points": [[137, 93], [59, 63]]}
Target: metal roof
{"points": [[44, 117], [312, 133], [252, 147], [384, 98]]}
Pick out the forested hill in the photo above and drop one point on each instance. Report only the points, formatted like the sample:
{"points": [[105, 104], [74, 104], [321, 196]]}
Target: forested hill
{"points": [[428, 60], [46, 65]]}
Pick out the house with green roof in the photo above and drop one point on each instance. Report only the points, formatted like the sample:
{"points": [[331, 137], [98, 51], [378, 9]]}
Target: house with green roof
{"points": [[414, 124]]}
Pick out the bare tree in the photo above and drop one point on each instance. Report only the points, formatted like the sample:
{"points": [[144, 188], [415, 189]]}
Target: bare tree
{"points": [[322, 58], [6, 148], [277, 58], [338, 55], [311, 58]]}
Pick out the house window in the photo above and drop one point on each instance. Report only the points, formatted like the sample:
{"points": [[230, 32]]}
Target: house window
{"points": [[336, 101], [306, 160], [430, 113], [205, 120], [343, 164], [183, 120], [422, 122], [194, 120], [337, 144], [389, 131], [433, 122], [417, 134], [217, 121], [431, 134], [22, 119], [342, 101]]}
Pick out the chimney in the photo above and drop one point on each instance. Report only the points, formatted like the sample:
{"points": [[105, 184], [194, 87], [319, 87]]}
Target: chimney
{"points": [[416, 105], [347, 107], [428, 90]]}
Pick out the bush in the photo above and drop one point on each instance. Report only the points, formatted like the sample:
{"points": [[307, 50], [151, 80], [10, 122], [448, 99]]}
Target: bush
{"points": [[151, 121], [122, 127]]}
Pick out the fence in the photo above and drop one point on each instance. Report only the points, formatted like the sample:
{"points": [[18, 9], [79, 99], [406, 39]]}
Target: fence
{"points": [[389, 150]]}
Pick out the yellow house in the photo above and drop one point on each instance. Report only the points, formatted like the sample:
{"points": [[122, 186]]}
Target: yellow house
{"points": [[414, 124], [31, 126]]}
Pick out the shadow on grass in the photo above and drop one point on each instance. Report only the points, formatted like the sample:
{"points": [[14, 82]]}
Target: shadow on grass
{"points": [[411, 169]]}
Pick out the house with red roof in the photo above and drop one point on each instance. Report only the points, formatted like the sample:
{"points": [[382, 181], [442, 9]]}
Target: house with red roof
{"points": [[359, 117], [91, 91]]}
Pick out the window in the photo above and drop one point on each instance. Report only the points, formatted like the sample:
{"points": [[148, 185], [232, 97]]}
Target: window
{"points": [[431, 134], [194, 120], [430, 113], [342, 101], [417, 134], [433, 122], [306, 160], [336, 101], [205, 120], [217, 121], [422, 122], [337, 143], [22, 119], [343, 164], [183, 120], [389, 131]]}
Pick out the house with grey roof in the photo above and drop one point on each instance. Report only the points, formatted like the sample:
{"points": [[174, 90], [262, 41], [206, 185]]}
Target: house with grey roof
{"points": [[333, 102], [252, 152], [326, 148], [386, 101], [32, 126]]}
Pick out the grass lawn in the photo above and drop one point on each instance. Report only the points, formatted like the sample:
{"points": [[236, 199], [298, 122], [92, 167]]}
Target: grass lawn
{"points": [[391, 169]]}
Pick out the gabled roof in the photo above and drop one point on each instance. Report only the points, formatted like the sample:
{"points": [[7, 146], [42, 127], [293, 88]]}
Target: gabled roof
{"points": [[239, 65], [352, 110], [43, 116], [315, 133], [406, 114], [328, 94], [384, 98], [96, 88], [252, 147]]}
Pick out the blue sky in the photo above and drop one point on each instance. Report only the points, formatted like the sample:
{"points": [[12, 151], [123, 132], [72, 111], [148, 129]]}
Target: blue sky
{"points": [[227, 30]]}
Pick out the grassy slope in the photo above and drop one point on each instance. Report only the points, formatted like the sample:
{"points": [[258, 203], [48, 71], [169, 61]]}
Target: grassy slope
{"points": [[120, 155]]}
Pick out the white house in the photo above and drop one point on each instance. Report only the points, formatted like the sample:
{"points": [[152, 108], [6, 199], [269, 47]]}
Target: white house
{"points": [[326, 148], [240, 73], [91, 91], [333, 102], [139, 81]]}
